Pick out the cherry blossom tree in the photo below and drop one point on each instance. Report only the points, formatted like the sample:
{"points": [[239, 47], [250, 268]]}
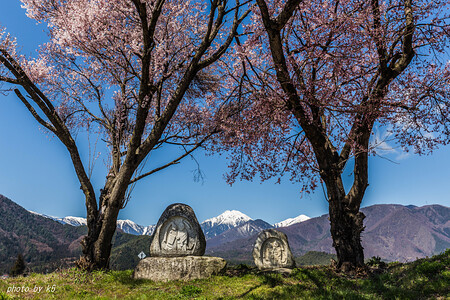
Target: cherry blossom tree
{"points": [[313, 78], [141, 73]]}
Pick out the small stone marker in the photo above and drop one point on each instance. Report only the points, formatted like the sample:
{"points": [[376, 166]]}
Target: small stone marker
{"points": [[178, 233], [142, 255], [272, 251]]}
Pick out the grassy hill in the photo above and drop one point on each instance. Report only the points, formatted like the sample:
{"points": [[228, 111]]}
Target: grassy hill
{"points": [[422, 279]]}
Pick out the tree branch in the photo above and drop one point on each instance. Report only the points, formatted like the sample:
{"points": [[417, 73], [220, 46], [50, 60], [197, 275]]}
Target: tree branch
{"points": [[287, 12], [175, 161], [233, 32], [378, 36], [34, 113], [9, 80], [58, 128]]}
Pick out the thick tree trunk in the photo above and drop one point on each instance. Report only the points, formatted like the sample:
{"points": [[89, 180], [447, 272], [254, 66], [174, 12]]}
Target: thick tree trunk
{"points": [[346, 228], [97, 244], [346, 225]]}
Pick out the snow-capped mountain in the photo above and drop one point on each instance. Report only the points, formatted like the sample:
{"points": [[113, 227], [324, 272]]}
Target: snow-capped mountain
{"points": [[230, 219], [244, 230], [74, 221], [227, 220], [126, 226], [291, 221], [130, 227]]}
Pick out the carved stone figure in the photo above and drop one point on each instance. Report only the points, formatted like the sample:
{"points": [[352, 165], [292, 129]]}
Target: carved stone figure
{"points": [[271, 251], [178, 233], [274, 252]]}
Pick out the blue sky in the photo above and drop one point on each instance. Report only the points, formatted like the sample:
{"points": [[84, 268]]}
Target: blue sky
{"points": [[36, 172]]}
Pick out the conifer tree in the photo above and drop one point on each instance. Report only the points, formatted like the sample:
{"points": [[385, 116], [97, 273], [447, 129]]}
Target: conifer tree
{"points": [[19, 266]]}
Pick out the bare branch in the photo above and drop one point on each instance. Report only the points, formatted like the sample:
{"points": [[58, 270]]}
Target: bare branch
{"points": [[34, 113], [174, 162], [9, 80]]}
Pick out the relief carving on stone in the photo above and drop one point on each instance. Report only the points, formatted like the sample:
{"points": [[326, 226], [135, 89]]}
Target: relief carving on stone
{"points": [[177, 235], [273, 252]]}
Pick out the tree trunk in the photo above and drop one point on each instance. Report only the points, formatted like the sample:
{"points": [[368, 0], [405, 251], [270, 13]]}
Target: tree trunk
{"points": [[346, 226], [97, 244]]}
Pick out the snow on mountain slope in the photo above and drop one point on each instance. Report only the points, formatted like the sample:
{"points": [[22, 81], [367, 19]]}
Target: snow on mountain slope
{"points": [[291, 221], [225, 221], [126, 226], [229, 217], [74, 221], [130, 227], [148, 230]]}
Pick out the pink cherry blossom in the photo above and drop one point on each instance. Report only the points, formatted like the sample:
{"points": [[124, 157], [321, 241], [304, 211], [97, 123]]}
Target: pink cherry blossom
{"points": [[142, 74], [312, 79]]}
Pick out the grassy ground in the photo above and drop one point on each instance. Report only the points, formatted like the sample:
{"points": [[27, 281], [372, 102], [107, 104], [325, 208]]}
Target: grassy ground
{"points": [[422, 279]]}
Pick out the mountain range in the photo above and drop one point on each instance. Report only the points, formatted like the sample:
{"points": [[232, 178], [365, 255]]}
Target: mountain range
{"points": [[393, 232], [211, 227], [126, 226]]}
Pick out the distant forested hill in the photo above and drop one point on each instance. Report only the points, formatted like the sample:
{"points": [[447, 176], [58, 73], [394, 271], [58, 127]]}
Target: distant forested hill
{"points": [[44, 243], [47, 245]]}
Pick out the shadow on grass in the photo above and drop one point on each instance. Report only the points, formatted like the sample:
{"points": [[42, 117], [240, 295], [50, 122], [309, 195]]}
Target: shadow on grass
{"points": [[272, 279], [422, 279], [249, 291], [326, 284], [240, 270]]}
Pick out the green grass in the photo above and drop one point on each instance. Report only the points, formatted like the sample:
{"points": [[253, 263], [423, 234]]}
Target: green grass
{"points": [[313, 258], [422, 279]]}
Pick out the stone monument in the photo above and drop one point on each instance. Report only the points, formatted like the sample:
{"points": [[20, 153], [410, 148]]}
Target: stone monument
{"points": [[176, 249], [178, 233], [272, 251]]}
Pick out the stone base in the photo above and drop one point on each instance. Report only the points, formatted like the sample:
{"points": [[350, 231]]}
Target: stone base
{"points": [[178, 268]]}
